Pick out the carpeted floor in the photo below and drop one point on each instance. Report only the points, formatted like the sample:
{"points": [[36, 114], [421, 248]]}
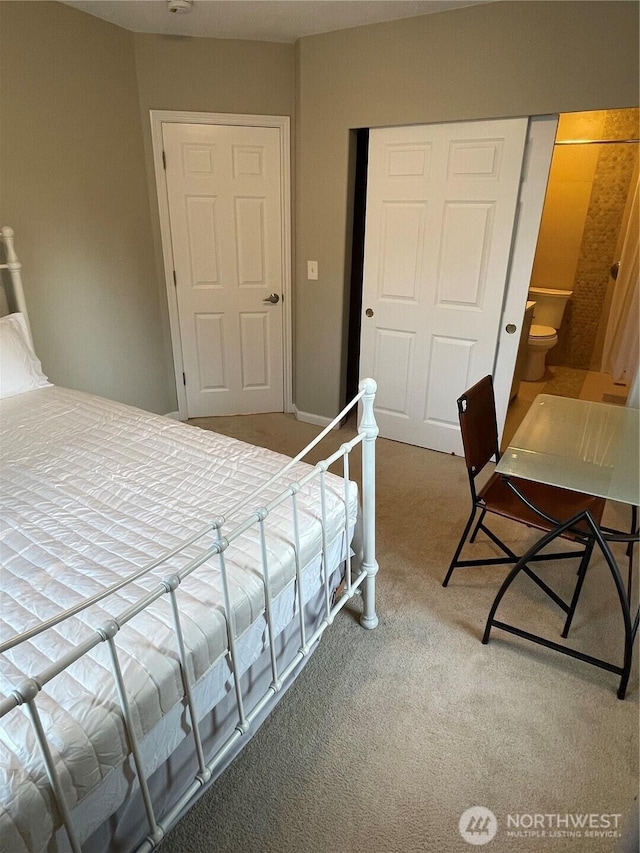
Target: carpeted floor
{"points": [[389, 736]]}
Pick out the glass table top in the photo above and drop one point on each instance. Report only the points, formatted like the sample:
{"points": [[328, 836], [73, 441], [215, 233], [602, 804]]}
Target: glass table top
{"points": [[588, 447]]}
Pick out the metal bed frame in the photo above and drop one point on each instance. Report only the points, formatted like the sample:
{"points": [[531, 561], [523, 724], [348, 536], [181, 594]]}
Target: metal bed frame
{"points": [[222, 532]]}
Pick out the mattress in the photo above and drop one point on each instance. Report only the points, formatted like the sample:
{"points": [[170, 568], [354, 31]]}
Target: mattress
{"points": [[91, 492]]}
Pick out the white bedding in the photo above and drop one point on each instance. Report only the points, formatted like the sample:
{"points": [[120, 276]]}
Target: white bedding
{"points": [[92, 490]]}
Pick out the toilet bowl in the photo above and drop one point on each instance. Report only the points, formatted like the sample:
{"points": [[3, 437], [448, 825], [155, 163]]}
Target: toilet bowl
{"points": [[548, 312], [541, 340]]}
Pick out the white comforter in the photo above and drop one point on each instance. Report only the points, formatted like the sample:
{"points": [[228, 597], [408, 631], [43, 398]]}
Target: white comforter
{"points": [[92, 490]]}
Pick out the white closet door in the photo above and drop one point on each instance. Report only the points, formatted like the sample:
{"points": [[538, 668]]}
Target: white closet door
{"points": [[441, 204]]}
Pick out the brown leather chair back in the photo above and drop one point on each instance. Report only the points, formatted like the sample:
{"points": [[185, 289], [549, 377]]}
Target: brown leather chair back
{"points": [[477, 413]]}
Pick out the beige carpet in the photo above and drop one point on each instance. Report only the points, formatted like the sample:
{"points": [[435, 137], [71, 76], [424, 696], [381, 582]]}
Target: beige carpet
{"points": [[388, 736]]}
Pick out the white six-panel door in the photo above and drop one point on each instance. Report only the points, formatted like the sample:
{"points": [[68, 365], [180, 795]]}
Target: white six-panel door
{"points": [[441, 203], [224, 199]]}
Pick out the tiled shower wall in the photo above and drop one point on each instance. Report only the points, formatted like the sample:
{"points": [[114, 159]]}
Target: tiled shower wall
{"points": [[609, 191]]}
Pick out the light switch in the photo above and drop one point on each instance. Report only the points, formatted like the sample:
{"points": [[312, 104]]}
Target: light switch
{"points": [[312, 270]]}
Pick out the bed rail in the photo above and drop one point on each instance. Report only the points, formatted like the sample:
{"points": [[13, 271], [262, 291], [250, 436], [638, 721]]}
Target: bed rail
{"points": [[14, 291], [223, 531]]}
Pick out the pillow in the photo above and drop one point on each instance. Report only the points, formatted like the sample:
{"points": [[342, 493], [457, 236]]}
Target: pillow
{"points": [[20, 368]]}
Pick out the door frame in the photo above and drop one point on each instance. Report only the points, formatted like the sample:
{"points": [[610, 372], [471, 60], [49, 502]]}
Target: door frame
{"points": [[282, 124]]}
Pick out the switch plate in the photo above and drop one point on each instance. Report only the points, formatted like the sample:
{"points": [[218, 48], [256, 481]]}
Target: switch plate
{"points": [[312, 270]]}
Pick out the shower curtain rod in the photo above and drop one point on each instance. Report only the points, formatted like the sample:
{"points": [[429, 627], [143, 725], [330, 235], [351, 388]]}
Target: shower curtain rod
{"points": [[596, 141]]}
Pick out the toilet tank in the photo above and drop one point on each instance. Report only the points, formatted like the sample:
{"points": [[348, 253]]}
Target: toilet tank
{"points": [[550, 305]]}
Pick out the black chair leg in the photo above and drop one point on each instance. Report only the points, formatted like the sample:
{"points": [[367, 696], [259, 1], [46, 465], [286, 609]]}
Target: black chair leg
{"points": [[478, 525], [463, 538]]}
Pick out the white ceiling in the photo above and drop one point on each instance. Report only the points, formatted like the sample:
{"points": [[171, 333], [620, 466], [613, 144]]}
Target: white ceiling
{"points": [[259, 20]]}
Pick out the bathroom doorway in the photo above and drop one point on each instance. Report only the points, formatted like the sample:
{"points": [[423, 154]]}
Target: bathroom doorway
{"points": [[589, 222]]}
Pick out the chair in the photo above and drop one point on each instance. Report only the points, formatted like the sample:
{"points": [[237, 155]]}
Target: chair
{"points": [[527, 502]]}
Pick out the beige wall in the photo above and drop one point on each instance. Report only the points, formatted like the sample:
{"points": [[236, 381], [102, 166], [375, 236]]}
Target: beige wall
{"points": [[214, 75], [495, 60], [72, 185]]}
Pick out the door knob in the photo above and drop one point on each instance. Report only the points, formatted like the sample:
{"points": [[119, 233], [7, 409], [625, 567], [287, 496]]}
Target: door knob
{"points": [[510, 328], [369, 312], [273, 298]]}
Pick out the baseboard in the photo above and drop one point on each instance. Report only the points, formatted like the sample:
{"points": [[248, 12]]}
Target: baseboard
{"points": [[316, 420], [305, 417]]}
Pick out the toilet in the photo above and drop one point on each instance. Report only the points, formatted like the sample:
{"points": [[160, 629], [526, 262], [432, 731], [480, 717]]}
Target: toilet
{"points": [[543, 334]]}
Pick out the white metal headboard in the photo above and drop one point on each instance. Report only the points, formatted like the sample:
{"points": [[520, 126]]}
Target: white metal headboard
{"points": [[12, 283]]}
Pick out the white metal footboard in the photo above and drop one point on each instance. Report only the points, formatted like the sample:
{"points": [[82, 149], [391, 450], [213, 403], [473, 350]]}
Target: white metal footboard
{"points": [[221, 534]]}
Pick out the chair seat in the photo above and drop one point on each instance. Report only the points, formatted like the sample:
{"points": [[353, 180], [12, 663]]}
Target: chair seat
{"points": [[479, 430], [559, 503]]}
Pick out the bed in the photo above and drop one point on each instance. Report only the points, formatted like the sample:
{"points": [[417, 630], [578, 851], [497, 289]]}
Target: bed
{"points": [[162, 586]]}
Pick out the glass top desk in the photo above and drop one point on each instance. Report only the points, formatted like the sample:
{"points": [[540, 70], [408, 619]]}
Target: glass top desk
{"points": [[579, 445], [587, 447]]}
